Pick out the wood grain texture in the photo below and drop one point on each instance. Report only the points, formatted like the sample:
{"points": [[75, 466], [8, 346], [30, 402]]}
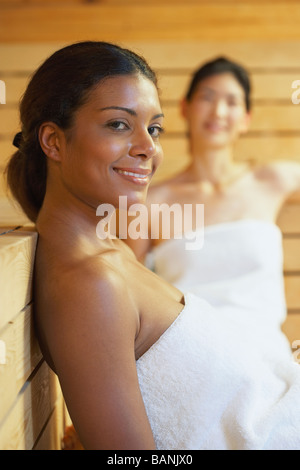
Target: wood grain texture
{"points": [[17, 252], [291, 328], [22, 357], [146, 21], [25, 420], [32, 410]]}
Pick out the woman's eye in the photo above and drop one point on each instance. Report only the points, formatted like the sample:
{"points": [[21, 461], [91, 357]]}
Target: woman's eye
{"points": [[206, 97], [232, 103], [118, 125], [155, 131]]}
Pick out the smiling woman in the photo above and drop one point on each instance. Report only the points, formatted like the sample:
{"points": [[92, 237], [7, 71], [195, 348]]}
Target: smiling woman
{"points": [[92, 137], [120, 143], [140, 365]]}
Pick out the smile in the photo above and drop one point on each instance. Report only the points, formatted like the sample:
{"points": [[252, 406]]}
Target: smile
{"points": [[130, 173], [136, 175], [214, 127]]}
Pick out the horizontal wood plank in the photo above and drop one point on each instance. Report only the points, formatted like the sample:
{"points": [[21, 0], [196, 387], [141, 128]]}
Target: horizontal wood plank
{"points": [[50, 2], [9, 120], [291, 247], [15, 87], [149, 22], [267, 86], [262, 55], [52, 434], [268, 147], [167, 55], [289, 218], [20, 429], [25, 58], [10, 212], [291, 327], [22, 356], [17, 252], [292, 289], [134, 2]]}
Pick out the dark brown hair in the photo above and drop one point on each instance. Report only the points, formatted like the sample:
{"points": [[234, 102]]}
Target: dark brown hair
{"points": [[57, 89], [216, 67]]}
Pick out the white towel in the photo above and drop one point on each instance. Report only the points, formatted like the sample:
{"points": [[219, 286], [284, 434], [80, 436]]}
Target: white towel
{"points": [[239, 267], [206, 387]]}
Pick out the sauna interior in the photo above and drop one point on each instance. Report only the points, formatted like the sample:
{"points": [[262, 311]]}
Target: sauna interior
{"points": [[176, 37]]}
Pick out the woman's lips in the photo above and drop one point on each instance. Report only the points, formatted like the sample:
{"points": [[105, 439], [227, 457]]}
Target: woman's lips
{"points": [[135, 175], [215, 127]]}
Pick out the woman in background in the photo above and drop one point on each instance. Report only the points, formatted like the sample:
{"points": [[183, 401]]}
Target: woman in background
{"points": [[140, 366], [240, 264]]}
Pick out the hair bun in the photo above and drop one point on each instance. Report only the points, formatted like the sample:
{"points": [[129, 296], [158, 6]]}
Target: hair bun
{"points": [[17, 140]]}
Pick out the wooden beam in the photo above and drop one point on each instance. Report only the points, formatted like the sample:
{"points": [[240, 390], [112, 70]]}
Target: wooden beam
{"points": [[144, 21]]}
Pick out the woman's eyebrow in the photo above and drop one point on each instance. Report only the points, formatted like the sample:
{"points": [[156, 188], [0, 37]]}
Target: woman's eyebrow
{"points": [[235, 95], [158, 116], [129, 111], [120, 108]]}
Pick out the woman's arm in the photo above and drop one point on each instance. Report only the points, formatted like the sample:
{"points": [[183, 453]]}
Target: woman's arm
{"points": [[91, 336]]}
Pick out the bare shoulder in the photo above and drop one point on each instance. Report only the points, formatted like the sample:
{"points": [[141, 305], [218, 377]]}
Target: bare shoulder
{"points": [[90, 328], [283, 176], [89, 300], [99, 283]]}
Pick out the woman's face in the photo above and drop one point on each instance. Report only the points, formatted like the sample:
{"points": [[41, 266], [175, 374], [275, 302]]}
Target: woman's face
{"points": [[113, 147], [216, 114]]}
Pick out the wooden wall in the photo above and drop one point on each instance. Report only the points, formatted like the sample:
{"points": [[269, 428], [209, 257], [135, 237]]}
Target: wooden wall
{"points": [[32, 410], [175, 36], [136, 20]]}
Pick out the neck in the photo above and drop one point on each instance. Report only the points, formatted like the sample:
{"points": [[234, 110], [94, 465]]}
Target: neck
{"points": [[214, 165], [69, 226]]}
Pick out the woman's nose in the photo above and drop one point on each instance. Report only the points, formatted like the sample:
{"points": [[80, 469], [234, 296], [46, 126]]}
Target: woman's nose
{"points": [[220, 108], [142, 145]]}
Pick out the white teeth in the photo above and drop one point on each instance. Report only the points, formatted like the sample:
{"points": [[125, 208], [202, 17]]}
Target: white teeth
{"points": [[130, 173]]}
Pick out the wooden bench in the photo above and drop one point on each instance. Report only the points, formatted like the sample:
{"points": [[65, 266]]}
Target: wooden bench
{"points": [[32, 411]]}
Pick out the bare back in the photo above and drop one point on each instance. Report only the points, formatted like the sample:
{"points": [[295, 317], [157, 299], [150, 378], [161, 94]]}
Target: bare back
{"points": [[95, 315]]}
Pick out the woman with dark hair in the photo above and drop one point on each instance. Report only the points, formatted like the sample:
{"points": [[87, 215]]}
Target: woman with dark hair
{"points": [[140, 365]]}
